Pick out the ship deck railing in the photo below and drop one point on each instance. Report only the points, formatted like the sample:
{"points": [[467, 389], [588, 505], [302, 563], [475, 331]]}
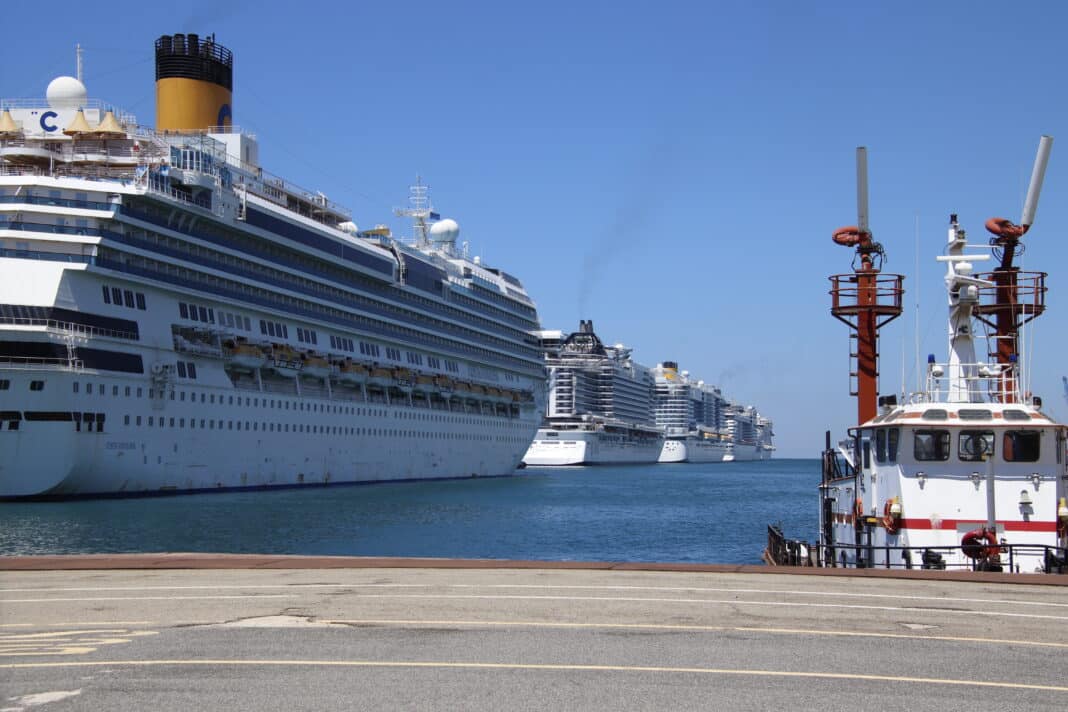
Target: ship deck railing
{"points": [[36, 363], [947, 558], [983, 382], [66, 328]]}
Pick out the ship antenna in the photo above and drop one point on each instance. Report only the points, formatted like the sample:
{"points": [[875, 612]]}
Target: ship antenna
{"points": [[419, 211], [78, 54], [864, 300], [1016, 297]]}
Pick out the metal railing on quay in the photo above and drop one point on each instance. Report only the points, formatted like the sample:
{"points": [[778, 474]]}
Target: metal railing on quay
{"points": [[1007, 558]]}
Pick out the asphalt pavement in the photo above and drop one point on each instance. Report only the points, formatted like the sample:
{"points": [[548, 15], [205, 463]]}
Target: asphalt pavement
{"points": [[276, 633]]}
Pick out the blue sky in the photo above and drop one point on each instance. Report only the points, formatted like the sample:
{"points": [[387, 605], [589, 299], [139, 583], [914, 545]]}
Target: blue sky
{"points": [[672, 171]]}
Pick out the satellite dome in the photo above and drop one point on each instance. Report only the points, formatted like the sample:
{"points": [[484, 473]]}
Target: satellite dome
{"points": [[66, 93], [444, 231]]}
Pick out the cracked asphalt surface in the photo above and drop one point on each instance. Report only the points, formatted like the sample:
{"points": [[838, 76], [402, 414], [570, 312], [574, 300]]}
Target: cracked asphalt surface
{"points": [[523, 638]]}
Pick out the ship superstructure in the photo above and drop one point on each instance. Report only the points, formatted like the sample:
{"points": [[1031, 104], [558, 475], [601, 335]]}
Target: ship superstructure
{"points": [[175, 318], [599, 405], [969, 472]]}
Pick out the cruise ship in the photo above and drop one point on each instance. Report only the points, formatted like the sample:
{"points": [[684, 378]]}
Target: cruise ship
{"points": [[599, 405], [693, 416], [174, 318], [749, 434], [701, 425]]}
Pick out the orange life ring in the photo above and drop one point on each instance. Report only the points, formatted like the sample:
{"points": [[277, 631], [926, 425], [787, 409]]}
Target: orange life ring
{"points": [[891, 523], [972, 543]]}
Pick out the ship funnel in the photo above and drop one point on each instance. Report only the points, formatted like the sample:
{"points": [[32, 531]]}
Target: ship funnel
{"points": [[194, 83], [1038, 173], [862, 188]]}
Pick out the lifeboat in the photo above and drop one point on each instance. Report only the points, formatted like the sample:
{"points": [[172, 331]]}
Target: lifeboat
{"points": [[380, 378], [247, 356], [285, 361], [354, 373], [424, 384], [315, 366], [403, 380], [478, 390], [444, 385], [462, 387]]}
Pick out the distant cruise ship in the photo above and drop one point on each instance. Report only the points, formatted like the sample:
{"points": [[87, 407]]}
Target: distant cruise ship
{"points": [[693, 415], [701, 425], [599, 407], [750, 434], [175, 318]]}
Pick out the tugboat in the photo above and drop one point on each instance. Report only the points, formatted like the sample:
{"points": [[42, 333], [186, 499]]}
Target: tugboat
{"points": [[969, 473]]}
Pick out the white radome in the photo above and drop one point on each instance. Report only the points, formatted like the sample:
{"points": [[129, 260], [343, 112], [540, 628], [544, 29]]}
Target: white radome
{"points": [[66, 93], [444, 231]]}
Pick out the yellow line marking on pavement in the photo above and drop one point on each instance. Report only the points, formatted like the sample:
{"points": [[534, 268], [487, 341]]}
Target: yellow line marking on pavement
{"points": [[695, 628], [724, 601], [541, 666], [65, 642]]}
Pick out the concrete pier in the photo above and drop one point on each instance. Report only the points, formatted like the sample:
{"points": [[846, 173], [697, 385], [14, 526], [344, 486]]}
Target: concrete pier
{"points": [[190, 631]]}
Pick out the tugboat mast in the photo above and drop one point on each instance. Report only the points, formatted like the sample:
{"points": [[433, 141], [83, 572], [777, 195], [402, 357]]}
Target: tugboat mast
{"points": [[864, 300], [1015, 297]]}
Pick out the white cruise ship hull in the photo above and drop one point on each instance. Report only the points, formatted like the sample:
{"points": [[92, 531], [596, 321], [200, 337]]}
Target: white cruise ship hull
{"points": [[279, 444], [692, 450], [595, 447]]}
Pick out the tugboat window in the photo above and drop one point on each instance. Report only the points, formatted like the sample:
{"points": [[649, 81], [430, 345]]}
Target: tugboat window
{"points": [[975, 445], [892, 437], [880, 445], [1021, 445], [931, 445]]}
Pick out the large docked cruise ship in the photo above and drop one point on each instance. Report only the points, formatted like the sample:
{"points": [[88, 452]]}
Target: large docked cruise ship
{"points": [[599, 408], [175, 318], [701, 425]]}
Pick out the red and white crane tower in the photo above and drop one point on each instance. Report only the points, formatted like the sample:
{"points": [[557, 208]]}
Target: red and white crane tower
{"points": [[865, 300]]}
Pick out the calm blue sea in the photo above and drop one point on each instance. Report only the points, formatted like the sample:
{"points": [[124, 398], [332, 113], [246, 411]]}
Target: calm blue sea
{"points": [[678, 513]]}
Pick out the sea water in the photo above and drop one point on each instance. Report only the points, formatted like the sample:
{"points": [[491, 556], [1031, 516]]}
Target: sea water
{"points": [[698, 513]]}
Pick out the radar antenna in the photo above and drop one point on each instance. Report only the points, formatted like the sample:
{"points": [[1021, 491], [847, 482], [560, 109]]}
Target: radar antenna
{"points": [[419, 210]]}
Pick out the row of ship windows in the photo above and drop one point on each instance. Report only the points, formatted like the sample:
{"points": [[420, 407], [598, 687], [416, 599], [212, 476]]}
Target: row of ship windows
{"points": [[291, 280], [275, 403], [244, 291], [123, 297], [254, 247], [199, 312], [972, 445], [270, 427]]}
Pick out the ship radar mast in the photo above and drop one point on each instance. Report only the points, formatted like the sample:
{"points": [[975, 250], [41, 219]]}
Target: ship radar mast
{"points": [[419, 210], [1014, 297], [864, 300]]}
